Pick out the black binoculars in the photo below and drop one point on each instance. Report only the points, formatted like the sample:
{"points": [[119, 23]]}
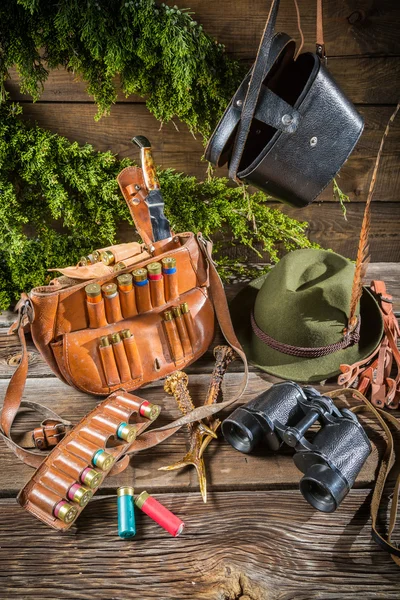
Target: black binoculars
{"points": [[333, 458]]}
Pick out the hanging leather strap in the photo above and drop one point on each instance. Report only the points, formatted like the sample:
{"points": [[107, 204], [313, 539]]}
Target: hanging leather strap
{"points": [[262, 65], [56, 425], [387, 462], [320, 44], [373, 374], [260, 68]]}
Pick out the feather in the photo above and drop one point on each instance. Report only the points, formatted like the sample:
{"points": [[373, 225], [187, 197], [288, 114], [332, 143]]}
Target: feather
{"points": [[363, 256]]}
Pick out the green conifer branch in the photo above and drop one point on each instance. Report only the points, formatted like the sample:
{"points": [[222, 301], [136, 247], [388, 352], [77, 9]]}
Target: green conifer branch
{"points": [[61, 200]]}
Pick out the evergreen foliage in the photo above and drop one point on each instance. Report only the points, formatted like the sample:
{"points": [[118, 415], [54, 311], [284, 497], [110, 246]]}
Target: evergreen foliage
{"points": [[60, 200], [159, 52]]}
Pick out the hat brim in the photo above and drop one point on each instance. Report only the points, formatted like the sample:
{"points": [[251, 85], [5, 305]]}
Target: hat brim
{"points": [[304, 370]]}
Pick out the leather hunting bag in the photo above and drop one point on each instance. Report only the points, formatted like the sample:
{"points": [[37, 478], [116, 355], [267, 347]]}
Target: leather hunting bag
{"points": [[289, 128], [68, 332]]}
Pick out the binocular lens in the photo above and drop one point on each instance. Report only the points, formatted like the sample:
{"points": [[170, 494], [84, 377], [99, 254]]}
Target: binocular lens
{"points": [[323, 488], [242, 430]]}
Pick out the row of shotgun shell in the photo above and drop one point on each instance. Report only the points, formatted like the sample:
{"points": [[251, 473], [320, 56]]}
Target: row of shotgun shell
{"points": [[136, 292], [88, 471], [120, 359], [149, 505], [104, 256]]}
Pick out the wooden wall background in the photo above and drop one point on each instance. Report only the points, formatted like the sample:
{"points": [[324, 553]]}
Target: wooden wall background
{"points": [[364, 56]]}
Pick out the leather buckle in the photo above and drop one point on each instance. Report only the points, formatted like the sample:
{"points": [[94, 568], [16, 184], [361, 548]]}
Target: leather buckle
{"points": [[48, 434]]}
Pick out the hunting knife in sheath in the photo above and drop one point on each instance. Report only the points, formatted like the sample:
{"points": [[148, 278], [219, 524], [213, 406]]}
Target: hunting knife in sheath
{"points": [[154, 200]]}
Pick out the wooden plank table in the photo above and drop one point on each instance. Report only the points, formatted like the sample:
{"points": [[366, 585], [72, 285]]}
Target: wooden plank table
{"points": [[255, 539]]}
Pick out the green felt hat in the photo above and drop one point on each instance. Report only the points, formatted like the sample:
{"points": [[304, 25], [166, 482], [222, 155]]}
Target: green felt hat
{"points": [[291, 321]]}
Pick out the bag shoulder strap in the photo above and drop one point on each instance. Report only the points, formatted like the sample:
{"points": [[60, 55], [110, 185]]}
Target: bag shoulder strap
{"points": [[387, 462], [262, 65]]}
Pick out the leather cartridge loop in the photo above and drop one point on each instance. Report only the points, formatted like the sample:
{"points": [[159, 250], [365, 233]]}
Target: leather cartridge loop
{"points": [[387, 462]]}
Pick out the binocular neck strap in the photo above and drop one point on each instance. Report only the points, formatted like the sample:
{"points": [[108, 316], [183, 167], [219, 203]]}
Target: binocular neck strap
{"points": [[387, 462], [261, 67]]}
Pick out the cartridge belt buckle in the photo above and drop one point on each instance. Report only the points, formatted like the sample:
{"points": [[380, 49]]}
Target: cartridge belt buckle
{"points": [[48, 434]]}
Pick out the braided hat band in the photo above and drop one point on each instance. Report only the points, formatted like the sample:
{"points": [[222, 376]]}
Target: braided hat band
{"points": [[350, 338]]}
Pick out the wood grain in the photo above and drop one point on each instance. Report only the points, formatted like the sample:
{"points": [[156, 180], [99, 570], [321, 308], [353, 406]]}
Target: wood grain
{"points": [[365, 80], [180, 151], [241, 546], [351, 27], [226, 468], [327, 227]]}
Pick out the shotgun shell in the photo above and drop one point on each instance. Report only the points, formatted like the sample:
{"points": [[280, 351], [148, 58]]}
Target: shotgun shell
{"points": [[119, 266], [103, 460], [126, 432], [104, 341], [161, 515], [65, 512], [93, 293], [96, 255], [126, 512], [140, 277], [168, 315], [115, 338], [125, 283], [79, 494], [154, 271], [110, 290], [90, 477], [177, 311], [149, 410], [107, 257], [169, 265], [184, 308], [125, 333], [86, 260]]}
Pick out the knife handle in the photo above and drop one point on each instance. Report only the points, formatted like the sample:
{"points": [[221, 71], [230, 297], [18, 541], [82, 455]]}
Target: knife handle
{"points": [[149, 169]]}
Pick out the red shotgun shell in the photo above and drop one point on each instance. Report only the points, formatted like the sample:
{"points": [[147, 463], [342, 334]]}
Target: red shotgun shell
{"points": [[161, 515]]}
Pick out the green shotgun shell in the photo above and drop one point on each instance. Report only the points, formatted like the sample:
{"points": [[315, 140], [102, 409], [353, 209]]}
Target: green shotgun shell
{"points": [[126, 512], [103, 460], [126, 432]]}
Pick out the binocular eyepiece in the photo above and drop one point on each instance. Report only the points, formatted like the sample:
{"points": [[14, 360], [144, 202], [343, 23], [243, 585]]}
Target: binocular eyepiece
{"points": [[284, 414]]}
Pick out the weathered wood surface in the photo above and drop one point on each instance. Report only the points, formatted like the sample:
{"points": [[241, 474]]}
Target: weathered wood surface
{"points": [[180, 151], [240, 546], [256, 539], [226, 468], [365, 79]]}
